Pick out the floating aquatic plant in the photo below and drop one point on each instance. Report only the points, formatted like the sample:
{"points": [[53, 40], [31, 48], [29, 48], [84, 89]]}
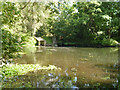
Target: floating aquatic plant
{"points": [[21, 69]]}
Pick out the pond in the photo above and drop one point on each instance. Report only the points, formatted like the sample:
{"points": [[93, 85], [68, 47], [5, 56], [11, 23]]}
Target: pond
{"points": [[79, 68]]}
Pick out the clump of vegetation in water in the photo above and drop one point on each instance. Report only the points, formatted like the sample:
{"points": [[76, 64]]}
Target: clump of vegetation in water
{"points": [[13, 72], [22, 69]]}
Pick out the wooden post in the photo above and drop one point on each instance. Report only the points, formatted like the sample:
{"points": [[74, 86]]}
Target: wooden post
{"points": [[38, 43], [44, 42]]}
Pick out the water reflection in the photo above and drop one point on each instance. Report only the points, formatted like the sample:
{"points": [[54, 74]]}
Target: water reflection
{"points": [[51, 80], [81, 67]]}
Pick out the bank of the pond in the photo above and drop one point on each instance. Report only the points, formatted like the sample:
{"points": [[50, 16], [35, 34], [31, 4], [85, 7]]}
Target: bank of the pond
{"points": [[87, 46]]}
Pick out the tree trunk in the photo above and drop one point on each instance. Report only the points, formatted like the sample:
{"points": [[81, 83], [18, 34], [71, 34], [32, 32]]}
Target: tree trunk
{"points": [[54, 41], [108, 33]]}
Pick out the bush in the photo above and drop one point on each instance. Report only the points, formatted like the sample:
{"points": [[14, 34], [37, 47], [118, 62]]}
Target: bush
{"points": [[109, 42], [10, 44], [48, 40]]}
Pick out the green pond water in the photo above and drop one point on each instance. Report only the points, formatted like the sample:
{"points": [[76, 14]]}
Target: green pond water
{"points": [[80, 68]]}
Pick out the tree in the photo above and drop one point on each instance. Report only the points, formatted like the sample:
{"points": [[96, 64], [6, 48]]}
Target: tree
{"points": [[84, 23]]}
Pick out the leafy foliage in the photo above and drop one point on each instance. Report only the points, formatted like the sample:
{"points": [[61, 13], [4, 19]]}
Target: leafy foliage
{"points": [[19, 23], [10, 44], [81, 23]]}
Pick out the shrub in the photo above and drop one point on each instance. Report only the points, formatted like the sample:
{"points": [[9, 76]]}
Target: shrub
{"points": [[109, 42], [10, 44]]}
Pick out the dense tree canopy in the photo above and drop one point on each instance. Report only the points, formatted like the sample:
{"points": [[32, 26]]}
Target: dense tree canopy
{"points": [[87, 23], [20, 21]]}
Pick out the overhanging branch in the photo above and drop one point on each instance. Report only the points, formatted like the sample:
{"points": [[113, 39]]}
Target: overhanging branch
{"points": [[26, 5]]}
